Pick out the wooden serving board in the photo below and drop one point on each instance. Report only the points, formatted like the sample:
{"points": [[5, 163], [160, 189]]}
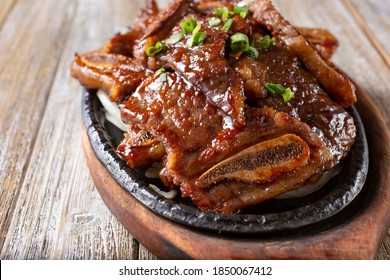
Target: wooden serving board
{"points": [[357, 238]]}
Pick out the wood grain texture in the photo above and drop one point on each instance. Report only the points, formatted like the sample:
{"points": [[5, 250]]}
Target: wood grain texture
{"points": [[49, 207], [26, 75], [61, 215], [5, 10], [373, 18]]}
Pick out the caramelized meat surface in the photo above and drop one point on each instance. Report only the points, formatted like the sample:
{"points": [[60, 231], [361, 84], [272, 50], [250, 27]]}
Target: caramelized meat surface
{"points": [[239, 108], [205, 64]]}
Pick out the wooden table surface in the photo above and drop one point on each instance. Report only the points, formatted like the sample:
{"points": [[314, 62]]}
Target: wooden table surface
{"points": [[49, 207]]}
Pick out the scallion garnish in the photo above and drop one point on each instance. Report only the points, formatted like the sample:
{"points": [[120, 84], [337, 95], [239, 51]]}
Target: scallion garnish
{"points": [[197, 37], [214, 21], [264, 42], [252, 53], [196, 29], [159, 72], [175, 38], [287, 94], [242, 11], [189, 25], [239, 42], [153, 50], [227, 25], [222, 12]]}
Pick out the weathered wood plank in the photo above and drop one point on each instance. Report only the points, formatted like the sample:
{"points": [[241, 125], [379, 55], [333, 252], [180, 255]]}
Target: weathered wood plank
{"points": [[5, 9], [31, 42], [59, 214], [373, 17]]}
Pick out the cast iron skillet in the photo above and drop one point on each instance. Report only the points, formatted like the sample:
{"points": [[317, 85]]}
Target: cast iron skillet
{"points": [[326, 208]]}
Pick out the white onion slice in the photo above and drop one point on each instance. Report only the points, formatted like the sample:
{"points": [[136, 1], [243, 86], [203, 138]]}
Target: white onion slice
{"points": [[113, 114], [153, 172], [168, 195]]}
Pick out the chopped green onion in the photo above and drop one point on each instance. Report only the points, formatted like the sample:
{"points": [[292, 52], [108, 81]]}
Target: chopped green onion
{"points": [[159, 72], [175, 38], [242, 11], [153, 50], [239, 42], [252, 53], [163, 77], [287, 94], [200, 38], [197, 37], [264, 42], [223, 12], [189, 25], [227, 25], [196, 29], [214, 21], [275, 88]]}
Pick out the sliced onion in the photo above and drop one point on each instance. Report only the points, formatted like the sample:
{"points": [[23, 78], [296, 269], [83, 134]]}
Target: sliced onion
{"points": [[113, 114], [168, 195]]}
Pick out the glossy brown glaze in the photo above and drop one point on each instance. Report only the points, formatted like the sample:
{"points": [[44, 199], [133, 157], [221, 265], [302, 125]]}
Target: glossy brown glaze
{"points": [[310, 104], [329, 76], [206, 68], [195, 138]]}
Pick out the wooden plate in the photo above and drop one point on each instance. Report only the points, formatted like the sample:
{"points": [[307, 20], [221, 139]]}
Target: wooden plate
{"points": [[309, 228]]}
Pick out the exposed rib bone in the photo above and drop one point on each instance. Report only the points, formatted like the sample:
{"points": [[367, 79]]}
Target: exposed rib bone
{"points": [[261, 162]]}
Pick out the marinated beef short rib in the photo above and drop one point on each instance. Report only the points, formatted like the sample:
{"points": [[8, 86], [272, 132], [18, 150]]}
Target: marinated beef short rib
{"points": [[223, 139], [202, 151]]}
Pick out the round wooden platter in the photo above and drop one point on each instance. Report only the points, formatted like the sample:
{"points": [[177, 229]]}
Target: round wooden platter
{"points": [[357, 236]]}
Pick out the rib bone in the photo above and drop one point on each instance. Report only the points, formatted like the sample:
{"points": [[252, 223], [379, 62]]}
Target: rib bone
{"points": [[262, 162]]}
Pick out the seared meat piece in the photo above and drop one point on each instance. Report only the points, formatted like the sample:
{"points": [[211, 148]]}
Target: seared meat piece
{"points": [[332, 79], [116, 74], [156, 31], [176, 114], [208, 7], [146, 16], [282, 161], [139, 148], [202, 152], [124, 43], [324, 42], [205, 64], [310, 104], [167, 19]]}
